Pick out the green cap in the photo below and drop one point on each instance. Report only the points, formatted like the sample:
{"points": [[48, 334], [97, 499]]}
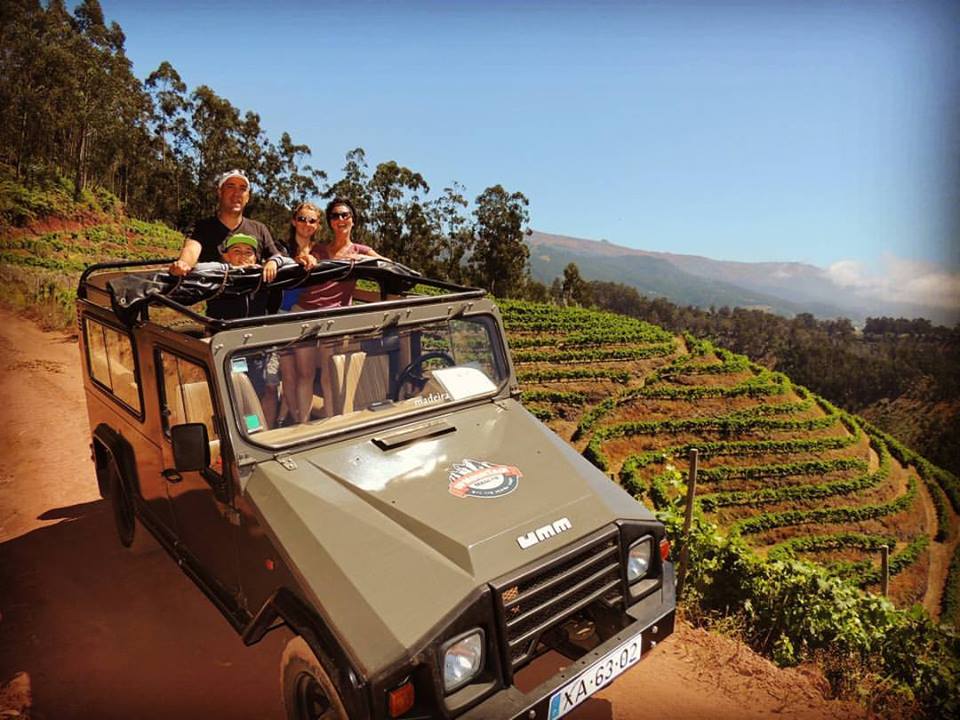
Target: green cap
{"points": [[238, 239]]}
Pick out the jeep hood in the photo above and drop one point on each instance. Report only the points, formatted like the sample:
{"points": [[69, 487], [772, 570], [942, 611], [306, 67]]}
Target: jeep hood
{"points": [[405, 534]]}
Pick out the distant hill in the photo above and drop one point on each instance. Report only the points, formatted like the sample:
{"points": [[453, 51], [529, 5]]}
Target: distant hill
{"points": [[785, 288]]}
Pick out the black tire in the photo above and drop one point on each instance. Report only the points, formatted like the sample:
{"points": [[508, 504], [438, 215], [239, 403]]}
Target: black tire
{"points": [[124, 516], [308, 691]]}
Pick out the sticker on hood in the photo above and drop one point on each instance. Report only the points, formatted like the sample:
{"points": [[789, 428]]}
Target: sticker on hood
{"points": [[483, 479]]}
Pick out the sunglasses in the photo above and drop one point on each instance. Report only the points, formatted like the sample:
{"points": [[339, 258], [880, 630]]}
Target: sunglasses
{"points": [[307, 220], [340, 215]]}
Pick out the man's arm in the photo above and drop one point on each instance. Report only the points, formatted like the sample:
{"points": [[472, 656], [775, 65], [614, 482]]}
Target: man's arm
{"points": [[189, 254]]}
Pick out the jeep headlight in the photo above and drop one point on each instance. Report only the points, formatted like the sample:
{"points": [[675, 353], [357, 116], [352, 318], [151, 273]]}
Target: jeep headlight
{"points": [[462, 660], [638, 559]]}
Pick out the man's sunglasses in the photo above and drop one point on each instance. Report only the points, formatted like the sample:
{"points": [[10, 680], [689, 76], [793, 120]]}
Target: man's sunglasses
{"points": [[307, 220], [340, 215]]}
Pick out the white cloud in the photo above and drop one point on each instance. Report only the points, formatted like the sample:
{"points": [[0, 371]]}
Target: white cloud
{"points": [[900, 280]]}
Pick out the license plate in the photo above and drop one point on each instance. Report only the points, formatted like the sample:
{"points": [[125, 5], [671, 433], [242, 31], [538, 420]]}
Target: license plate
{"points": [[598, 675]]}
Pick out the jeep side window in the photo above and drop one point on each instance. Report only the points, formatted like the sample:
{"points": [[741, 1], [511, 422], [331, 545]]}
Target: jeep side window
{"points": [[111, 362], [186, 399]]}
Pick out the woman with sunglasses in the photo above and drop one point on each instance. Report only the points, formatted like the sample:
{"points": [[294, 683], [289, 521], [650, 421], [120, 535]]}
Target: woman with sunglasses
{"points": [[303, 229], [340, 215]]}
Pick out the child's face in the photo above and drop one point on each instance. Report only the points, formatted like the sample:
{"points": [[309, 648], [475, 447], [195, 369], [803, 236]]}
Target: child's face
{"points": [[240, 255]]}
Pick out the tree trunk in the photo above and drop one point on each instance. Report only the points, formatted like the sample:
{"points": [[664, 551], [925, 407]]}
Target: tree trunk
{"points": [[21, 144], [78, 167]]}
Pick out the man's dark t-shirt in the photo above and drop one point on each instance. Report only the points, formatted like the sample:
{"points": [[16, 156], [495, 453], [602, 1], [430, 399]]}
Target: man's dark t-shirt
{"points": [[211, 233]]}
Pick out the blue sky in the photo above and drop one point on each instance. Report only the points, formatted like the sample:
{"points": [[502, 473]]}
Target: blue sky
{"points": [[821, 132]]}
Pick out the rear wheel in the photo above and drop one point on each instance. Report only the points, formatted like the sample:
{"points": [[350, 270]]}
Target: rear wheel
{"points": [[308, 691], [122, 504]]}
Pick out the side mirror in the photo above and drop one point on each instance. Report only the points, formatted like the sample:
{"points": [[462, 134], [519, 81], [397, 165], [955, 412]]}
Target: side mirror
{"points": [[191, 447]]}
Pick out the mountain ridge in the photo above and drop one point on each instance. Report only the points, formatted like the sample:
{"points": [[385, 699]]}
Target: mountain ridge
{"points": [[783, 287]]}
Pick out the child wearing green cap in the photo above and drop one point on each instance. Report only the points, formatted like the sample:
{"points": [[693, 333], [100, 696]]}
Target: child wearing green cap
{"points": [[240, 250]]}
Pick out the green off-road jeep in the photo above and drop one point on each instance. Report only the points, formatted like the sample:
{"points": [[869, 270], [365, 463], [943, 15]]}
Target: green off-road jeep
{"points": [[422, 535]]}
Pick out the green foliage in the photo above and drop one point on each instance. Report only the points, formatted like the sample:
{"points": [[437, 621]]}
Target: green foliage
{"points": [[794, 611], [573, 288], [592, 354], [950, 602], [811, 491], [940, 483], [850, 514], [897, 564], [574, 327], [540, 412], [559, 397], [548, 375], [789, 549], [632, 464], [499, 260], [806, 467], [741, 422]]}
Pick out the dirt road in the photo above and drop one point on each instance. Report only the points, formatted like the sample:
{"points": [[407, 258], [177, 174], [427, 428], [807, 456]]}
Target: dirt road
{"points": [[90, 630]]}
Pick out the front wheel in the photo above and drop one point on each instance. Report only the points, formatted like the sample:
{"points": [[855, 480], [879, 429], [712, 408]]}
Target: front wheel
{"points": [[308, 691]]}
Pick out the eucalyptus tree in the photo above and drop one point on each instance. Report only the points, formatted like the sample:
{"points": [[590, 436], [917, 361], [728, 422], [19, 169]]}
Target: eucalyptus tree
{"points": [[574, 288], [499, 261], [455, 233], [172, 110], [216, 142], [353, 185], [97, 84], [397, 217], [31, 40]]}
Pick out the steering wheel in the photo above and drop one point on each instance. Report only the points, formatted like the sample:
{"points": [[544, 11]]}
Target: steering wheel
{"points": [[413, 373]]}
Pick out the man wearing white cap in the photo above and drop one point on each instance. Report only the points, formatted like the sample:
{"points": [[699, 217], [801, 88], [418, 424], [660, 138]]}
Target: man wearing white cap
{"points": [[206, 238]]}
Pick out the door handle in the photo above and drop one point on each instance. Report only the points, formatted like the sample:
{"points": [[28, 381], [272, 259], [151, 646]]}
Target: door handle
{"points": [[172, 475]]}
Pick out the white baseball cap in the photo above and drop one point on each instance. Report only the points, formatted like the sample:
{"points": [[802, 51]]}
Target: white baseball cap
{"points": [[232, 174]]}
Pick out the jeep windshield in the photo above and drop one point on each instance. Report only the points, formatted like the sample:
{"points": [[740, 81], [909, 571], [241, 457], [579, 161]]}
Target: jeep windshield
{"points": [[305, 389]]}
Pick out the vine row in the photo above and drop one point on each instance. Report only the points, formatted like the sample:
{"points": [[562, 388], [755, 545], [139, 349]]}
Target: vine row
{"points": [[548, 375], [593, 354], [767, 496], [768, 521]]}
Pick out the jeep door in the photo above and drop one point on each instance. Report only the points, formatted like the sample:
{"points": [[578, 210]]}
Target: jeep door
{"points": [[202, 514], [118, 388]]}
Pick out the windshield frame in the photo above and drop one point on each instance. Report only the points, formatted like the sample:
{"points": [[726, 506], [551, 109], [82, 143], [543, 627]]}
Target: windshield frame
{"points": [[317, 434]]}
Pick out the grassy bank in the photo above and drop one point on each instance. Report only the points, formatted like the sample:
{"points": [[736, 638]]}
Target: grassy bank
{"points": [[47, 239]]}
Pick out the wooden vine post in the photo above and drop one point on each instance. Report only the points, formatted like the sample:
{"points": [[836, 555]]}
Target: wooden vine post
{"points": [[694, 458], [884, 570]]}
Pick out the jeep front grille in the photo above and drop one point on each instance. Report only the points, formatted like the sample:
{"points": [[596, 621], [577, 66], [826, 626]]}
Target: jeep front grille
{"points": [[541, 598]]}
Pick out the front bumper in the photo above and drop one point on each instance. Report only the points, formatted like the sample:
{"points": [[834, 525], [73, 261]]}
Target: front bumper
{"points": [[512, 704]]}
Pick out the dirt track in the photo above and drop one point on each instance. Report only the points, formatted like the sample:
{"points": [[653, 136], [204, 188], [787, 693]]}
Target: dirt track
{"points": [[90, 630]]}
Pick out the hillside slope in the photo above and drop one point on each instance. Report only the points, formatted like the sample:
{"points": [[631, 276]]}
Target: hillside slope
{"points": [[783, 475]]}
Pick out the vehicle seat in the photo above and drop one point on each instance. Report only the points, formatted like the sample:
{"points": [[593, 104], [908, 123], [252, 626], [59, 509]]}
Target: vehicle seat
{"points": [[373, 380], [359, 380], [248, 404]]}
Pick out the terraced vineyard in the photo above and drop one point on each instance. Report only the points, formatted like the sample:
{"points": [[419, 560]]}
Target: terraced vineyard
{"points": [[784, 470]]}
